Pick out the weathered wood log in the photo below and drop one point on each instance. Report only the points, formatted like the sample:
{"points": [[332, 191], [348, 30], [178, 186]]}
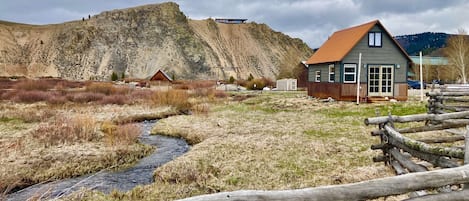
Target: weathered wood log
{"points": [[357, 191], [398, 168], [406, 162], [423, 147], [444, 125], [450, 108], [381, 158], [455, 99], [416, 117], [456, 121], [451, 196], [380, 146], [466, 146], [377, 133], [442, 139], [436, 160], [436, 93]]}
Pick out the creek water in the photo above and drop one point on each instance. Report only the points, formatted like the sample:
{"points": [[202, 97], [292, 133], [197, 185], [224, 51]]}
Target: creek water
{"points": [[167, 148]]}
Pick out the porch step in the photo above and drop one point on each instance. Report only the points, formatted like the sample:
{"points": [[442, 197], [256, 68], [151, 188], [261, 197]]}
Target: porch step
{"points": [[376, 99]]}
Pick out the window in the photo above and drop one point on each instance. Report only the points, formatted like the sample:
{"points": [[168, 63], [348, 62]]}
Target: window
{"points": [[331, 73], [374, 39], [318, 76], [350, 73]]}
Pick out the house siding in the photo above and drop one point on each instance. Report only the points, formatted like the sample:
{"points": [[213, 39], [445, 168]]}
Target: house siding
{"points": [[388, 54], [324, 68]]}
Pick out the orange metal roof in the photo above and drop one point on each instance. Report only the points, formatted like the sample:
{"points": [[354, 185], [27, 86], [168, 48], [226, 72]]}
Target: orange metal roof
{"points": [[342, 42]]}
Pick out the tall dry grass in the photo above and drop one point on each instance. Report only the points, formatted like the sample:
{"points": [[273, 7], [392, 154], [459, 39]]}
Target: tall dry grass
{"points": [[34, 85], [176, 98], [126, 134], [107, 88], [67, 130]]}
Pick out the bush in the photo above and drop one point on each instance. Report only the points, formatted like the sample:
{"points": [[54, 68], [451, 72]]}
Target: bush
{"points": [[115, 99], [56, 99], [67, 130], [30, 96], [85, 97], [126, 134], [34, 85], [259, 84], [231, 80], [100, 87], [114, 76]]}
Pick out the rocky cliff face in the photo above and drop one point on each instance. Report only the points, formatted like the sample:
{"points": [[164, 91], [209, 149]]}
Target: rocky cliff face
{"points": [[139, 41]]}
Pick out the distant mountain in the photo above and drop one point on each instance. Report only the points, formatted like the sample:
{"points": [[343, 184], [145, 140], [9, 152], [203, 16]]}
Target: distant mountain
{"points": [[429, 43], [138, 41]]}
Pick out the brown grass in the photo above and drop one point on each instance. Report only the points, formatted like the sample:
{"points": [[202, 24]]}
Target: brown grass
{"points": [[107, 88], [67, 130], [34, 85], [126, 134], [176, 98], [117, 99]]}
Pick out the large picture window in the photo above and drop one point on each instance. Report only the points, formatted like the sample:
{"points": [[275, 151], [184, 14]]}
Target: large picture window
{"points": [[375, 39], [331, 73], [350, 73], [317, 76]]}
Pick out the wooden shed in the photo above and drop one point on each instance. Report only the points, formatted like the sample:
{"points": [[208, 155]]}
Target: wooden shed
{"points": [[333, 68], [161, 76]]}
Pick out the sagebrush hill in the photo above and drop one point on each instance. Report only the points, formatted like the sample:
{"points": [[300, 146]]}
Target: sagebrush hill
{"points": [[138, 41]]}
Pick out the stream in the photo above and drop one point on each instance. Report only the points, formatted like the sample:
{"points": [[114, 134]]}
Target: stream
{"points": [[167, 148]]}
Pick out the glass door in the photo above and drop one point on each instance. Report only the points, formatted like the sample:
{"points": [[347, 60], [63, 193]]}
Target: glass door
{"points": [[380, 80]]}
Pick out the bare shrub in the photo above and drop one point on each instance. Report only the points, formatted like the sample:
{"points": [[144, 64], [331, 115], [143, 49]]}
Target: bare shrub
{"points": [[66, 84], [198, 84], [141, 94], [177, 98], [34, 85], [30, 96], [57, 100], [101, 87], [115, 99], [220, 94], [85, 97], [67, 130], [126, 134]]}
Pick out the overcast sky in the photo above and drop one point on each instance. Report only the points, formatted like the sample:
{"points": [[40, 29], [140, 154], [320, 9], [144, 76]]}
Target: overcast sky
{"points": [[311, 20]]}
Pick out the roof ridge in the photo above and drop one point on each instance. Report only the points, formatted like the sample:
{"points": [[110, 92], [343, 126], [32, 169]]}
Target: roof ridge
{"points": [[358, 26]]}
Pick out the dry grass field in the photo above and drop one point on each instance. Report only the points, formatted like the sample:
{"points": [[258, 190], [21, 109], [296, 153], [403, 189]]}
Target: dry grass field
{"points": [[273, 140], [51, 129]]}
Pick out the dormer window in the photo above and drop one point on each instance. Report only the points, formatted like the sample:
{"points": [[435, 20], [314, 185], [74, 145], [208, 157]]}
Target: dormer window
{"points": [[374, 39]]}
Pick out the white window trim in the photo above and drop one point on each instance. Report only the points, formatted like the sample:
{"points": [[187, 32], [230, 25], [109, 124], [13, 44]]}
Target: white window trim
{"points": [[331, 72], [317, 74], [354, 66]]}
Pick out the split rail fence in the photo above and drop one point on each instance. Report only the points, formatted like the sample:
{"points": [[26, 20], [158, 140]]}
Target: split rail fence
{"points": [[427, 152]]}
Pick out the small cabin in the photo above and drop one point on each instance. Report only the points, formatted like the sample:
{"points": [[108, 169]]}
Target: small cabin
{"points": [[334, 69], [161, 76]]}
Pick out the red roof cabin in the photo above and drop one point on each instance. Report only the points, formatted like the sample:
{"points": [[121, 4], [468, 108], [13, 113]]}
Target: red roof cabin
{"points": [[161, 76]]}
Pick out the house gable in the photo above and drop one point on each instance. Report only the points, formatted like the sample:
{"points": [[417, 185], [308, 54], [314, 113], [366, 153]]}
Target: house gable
{"points": [[389, 53], [161, 76]]}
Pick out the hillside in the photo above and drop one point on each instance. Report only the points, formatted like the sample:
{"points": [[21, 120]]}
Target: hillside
{"points": [[138, 41], [429, 43]]}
